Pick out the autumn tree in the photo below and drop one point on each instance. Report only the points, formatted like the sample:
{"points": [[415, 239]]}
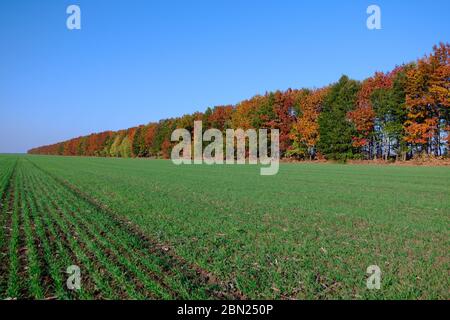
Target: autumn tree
{"points": [[427, 101], [305, 131], [161, 141], [150, 132], [114, 150], [363, 116], [277, 112], [440, 88], [140, 148], [246, 114], [125, 148], [220, 118]]}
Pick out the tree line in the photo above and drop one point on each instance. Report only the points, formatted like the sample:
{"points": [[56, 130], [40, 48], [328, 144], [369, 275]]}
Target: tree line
{"points": [[399, 114]]}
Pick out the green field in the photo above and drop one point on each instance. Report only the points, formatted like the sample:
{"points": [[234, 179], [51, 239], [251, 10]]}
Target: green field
{"points": [[146, 229]]}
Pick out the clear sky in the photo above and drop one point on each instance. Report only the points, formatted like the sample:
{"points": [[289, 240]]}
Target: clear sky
{"points": [[134, 61]]}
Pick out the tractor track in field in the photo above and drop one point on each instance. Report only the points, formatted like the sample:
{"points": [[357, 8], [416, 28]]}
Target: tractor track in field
{"points": [[52, 224]]}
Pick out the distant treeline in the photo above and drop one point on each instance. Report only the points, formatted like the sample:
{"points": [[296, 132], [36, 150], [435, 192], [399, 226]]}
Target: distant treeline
{"points": [[399, 114]]}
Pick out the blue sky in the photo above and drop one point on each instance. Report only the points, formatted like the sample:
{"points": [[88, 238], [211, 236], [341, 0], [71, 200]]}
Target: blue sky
{"points": [[139, 61]]}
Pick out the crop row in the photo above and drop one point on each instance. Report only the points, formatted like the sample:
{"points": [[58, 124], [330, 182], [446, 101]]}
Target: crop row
{"points": [[49, 227]]}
